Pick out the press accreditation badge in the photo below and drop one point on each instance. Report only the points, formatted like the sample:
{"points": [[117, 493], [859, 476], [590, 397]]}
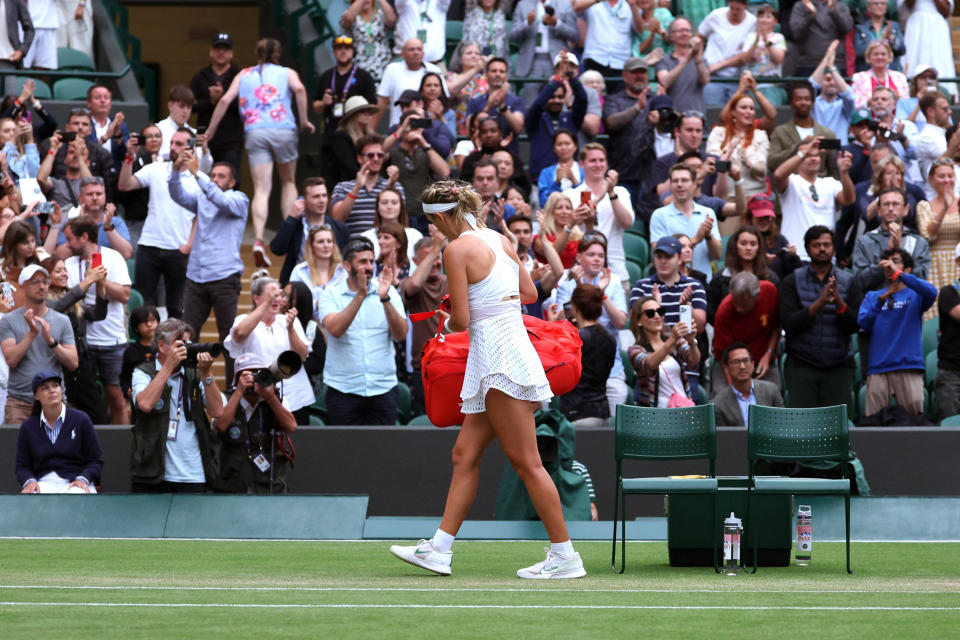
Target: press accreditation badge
{"points": [[337, 109], [172, 430], [260, 462], [422, 35]]}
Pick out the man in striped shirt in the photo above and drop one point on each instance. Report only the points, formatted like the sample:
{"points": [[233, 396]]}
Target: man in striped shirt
{"points": [[355, 201], [672, 287]]}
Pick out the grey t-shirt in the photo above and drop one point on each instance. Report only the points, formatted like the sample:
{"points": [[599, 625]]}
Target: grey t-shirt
{"points": [[686, 91], [39, 356]]}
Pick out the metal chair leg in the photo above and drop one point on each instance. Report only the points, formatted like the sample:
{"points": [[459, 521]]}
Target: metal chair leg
{"points": [[751, 533], [717, 531], [846, 505], [616, 510]]}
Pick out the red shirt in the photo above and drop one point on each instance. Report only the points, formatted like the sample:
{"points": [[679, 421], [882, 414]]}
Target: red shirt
{"points": [[753, 328], [567, 256]]}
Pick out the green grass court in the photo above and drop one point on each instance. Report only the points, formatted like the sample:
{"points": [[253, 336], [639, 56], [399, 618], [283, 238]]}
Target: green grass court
{"points": [[251, 589]]}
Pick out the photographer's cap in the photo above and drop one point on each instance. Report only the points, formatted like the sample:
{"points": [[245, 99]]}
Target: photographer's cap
{"points": [[222, 39], [572, 59], [669, 245], [31, 270], [661, 101], [860, 116], [247, 362]]}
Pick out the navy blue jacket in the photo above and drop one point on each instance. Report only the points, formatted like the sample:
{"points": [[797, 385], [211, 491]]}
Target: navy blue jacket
{"points": [[289, 239], [75, 453], [540, 127], [118, 150], [823, 341]]}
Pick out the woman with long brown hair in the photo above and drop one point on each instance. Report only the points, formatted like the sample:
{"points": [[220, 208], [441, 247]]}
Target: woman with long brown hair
{"points": [[746, 251], [743, 143], [660, 358], [391, 208]]}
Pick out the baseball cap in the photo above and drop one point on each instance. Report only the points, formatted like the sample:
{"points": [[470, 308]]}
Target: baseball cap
{"points": [[661, 101], [761, 206], [43, 376], [635, 64], [923, 68], [669, 245], [408, 96], [570, 58], [29, 271], [860, 116], [222, 40]]}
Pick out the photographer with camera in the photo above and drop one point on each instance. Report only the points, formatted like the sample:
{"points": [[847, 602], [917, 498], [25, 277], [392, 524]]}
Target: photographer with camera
{"points": [[267, 332], [546, 115], [899, 133], [417, 161], [253, 432], [174, 398]]}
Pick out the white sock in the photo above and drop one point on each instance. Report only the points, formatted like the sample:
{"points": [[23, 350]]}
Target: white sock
{"points": [[564, 549], [443, 541]]}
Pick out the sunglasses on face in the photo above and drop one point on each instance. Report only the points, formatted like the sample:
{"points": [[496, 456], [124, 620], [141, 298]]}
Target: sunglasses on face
{"points": [[374, 155], [659, 311]]}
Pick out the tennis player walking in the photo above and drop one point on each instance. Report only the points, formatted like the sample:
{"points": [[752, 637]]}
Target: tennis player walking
{"points": [[503, 376]]}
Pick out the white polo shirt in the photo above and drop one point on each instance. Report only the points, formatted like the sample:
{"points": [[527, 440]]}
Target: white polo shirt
{"points": [[397, 78], [112, 330], [168, 224]]}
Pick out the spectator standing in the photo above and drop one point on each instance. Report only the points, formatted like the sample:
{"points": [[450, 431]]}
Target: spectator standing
{"points": [[878, 55], [173, 402], [609, 201], [835, 103], [214, 268], [743, 143], [660, 357], [744, 253], [465, 80], [630, 124], [806, 199], [656, 24], [208, 86], [546, 116], [922, 79], [423, 291], [14, 47], [939, 222], [76, 25], [893, 317], [362, 329], [368, 22], [684, 72], [780, 254], [947, 384], [112, 231], [144, 321], [874, 27], [98, 159], [341, 81], [764, 50], [423, 21], [818, 311], [732, 403], [486, 24], [110, 133], [270, 131], [267, 331], [355, 201], [506, 108], [19, 147], [253, 421], [42, 53], [931, 143], [436, 106], [814, 24], [787, 137], [33, 338], [560, 228], [890, 235], [685, 216], [180, 101], [309, 211], [107, 338], [321, 262], [724, 30], [491, 141], [418, 163], [609, 35], [750, 313], [48, 461], [136, 204], [164, 247], [401, 76], [542, 33], [340, 163], [927, 37]]}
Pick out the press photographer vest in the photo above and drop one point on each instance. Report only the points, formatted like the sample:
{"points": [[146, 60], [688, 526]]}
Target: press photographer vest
{"points": [[237, 473]]}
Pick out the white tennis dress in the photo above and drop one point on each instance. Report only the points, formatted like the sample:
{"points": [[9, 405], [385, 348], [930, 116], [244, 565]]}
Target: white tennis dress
{"points": [[501, 355]]}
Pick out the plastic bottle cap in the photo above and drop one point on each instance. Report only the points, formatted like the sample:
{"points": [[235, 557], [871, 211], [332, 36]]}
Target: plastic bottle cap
{"points": [[733, 520]]}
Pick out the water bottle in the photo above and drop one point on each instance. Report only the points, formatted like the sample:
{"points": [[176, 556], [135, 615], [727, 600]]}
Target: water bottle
{"points": [[732, 530], [804, 534]]}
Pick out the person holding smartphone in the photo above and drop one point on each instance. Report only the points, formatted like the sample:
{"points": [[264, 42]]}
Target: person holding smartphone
{"points": [[417, 161]]}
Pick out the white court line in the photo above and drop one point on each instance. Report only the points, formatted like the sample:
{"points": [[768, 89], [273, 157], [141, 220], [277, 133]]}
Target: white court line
{"points": [[450, 589], [215, 605]]}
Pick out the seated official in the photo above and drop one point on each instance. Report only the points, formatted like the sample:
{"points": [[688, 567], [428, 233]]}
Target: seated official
{"points": [[254, 455], [732, 404], [57, 447]]}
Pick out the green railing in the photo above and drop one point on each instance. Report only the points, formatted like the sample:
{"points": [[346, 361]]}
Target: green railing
{"points": [[304, 51], [146, 77]]}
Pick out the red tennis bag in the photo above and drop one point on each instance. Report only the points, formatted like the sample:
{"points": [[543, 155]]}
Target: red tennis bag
{"points": [[444, 361]]}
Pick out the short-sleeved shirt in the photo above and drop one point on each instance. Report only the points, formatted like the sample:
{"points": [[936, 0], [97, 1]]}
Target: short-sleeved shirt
{"points": [[948, 353], [364, 207], [361, 361], [103, 238], [183, 462], [753, 328], [670, 295], [686, 90], [397, 78], [168, 224], [39, 357], [801, 211], [723, 38], [669, 220], [112, 330], [609, 33]]}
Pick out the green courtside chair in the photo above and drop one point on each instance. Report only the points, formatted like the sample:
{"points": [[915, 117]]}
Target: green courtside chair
{"points": [[634, 271], [929, 336], [636, 249], [71, 89], [647, 433], [404, 400], [68, 58], [805, 435]]}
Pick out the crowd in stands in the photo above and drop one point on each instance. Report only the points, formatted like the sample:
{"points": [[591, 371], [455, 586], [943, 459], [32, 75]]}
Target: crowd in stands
{"points": [[726, 259]]}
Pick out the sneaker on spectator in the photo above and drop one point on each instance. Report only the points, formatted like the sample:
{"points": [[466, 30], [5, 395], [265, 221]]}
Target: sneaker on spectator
{"points": [[260, 254], [425, 556], [554, 566]]}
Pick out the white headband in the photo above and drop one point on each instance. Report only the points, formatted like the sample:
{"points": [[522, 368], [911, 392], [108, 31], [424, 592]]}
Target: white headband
{"points": [[439, 207]]}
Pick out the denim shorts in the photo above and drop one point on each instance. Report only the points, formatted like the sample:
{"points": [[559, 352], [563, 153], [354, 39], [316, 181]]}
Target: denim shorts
{"points": [[106, 361], [271, 145]]}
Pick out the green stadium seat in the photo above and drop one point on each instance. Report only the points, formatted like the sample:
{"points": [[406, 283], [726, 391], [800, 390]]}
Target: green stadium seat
{"points": [[931, 328], [636, 248], [41, 90], [454, 32], [639, 227], [635, 271], [71, 89], [135, 301], [933, 364], [131, 269], [316, 421], [631, 375], [420, 421], [950, 421], [68, 58], [404, 400]]}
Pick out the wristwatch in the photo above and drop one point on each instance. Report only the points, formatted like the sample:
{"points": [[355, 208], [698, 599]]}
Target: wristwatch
{"points": [[207, 381], [613, 197], [110, 228], [385, 299], [55, 344]]}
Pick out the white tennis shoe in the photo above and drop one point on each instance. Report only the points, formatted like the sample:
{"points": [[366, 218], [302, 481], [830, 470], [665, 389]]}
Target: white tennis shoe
{"points": [[554, 566], [425, 556]]}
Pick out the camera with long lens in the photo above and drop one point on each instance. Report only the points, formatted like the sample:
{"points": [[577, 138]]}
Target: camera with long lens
{"points": [[287, 364], [196, 348]]}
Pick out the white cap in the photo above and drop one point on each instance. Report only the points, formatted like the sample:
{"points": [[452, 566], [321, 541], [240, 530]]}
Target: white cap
{"points": [[29, 271], [922, 68], [572, 59]]}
